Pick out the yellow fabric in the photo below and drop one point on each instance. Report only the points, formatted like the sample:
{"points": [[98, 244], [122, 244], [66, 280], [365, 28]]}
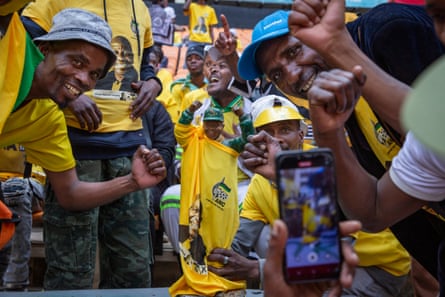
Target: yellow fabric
{"points": [[12, 6], [380, 142], [195, 95], [165, 97], [116, 114], [12, 164], [12, 49], [307, 146], [350, 16], [199, 12], [392, 257], [40, 128], [180, 91], [210, 185], [261, 201], [39, 125], [383, 250]]}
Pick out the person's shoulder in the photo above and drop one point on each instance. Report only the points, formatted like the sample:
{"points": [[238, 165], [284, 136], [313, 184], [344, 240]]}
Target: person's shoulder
{"points": [[165, 75], [389, 12], [414, 147]]}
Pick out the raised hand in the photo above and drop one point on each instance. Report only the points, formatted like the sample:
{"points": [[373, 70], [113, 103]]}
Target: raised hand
{"points": [[147, 92], [148, 167], [318, 23], [259, 154], [225, 42], [332, 99], [194, 106]]}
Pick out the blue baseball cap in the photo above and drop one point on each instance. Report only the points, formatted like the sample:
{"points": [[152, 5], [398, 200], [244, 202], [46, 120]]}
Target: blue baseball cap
{"points": [[272, 26]]}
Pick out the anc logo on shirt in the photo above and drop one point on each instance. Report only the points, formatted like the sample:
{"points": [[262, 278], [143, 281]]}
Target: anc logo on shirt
{"points": [[381, 135], [220, 193]]}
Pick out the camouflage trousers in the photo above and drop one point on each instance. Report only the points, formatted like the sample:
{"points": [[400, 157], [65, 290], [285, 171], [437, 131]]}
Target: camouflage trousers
{"points": [[14, 257], [120, 228]]}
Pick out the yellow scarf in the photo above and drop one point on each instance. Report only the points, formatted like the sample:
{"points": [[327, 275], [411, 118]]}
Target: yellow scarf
{"points": [[12, 53]]}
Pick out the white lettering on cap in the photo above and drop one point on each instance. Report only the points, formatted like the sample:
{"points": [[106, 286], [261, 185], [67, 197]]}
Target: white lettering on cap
{"points": [[272, 24]]}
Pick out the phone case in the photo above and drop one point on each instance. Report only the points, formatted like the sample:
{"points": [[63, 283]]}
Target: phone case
{"points": [[308, 206]]}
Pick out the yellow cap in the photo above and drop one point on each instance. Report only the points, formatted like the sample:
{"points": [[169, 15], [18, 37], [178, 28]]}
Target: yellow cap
{"points": [[273, 108]]}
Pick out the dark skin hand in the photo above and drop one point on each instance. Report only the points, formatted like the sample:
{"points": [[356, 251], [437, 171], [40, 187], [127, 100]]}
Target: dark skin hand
{"points": [[154, 163], [237, 267], [225, 42], [259, 154], [90, 116], [194, 106], [238, 111], [274, 282], [147, 92], [235, 127], [86, 112], [241, 268]]}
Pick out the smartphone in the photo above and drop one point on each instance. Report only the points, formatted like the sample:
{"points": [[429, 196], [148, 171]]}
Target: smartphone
{"points": [[308, 205]]}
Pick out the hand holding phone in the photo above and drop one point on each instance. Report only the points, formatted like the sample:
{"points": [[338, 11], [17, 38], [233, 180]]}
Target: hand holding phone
{"points": [[308, 206], [274, 283]]}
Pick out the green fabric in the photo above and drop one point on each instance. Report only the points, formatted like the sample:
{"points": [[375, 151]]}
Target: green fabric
{"points": [[237, 101], [33, 57]]}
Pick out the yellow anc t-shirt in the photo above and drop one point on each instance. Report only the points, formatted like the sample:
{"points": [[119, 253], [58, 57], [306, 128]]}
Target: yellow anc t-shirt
{"points": [[208, 216], [261, 202], [128, 46], [201, 18], [39, 126]]}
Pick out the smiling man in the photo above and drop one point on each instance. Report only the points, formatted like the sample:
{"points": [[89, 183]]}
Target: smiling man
{"points": [[76, 53], [292, 66], [209, 167]]}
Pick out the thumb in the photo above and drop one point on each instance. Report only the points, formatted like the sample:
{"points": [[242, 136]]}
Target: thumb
{"points": [[277, 243], [136, 85]]}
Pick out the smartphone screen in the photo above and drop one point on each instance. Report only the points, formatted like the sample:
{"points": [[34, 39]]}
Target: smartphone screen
{"points": [[308, 206]]}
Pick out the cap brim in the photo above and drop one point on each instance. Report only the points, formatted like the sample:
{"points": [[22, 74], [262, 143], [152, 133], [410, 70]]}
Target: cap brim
{"points": [[213, 119], [423, 111], [247, 65]]}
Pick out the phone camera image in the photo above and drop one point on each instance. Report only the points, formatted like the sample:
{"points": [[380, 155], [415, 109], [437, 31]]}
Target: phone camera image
{"points": [[308, 206]]}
